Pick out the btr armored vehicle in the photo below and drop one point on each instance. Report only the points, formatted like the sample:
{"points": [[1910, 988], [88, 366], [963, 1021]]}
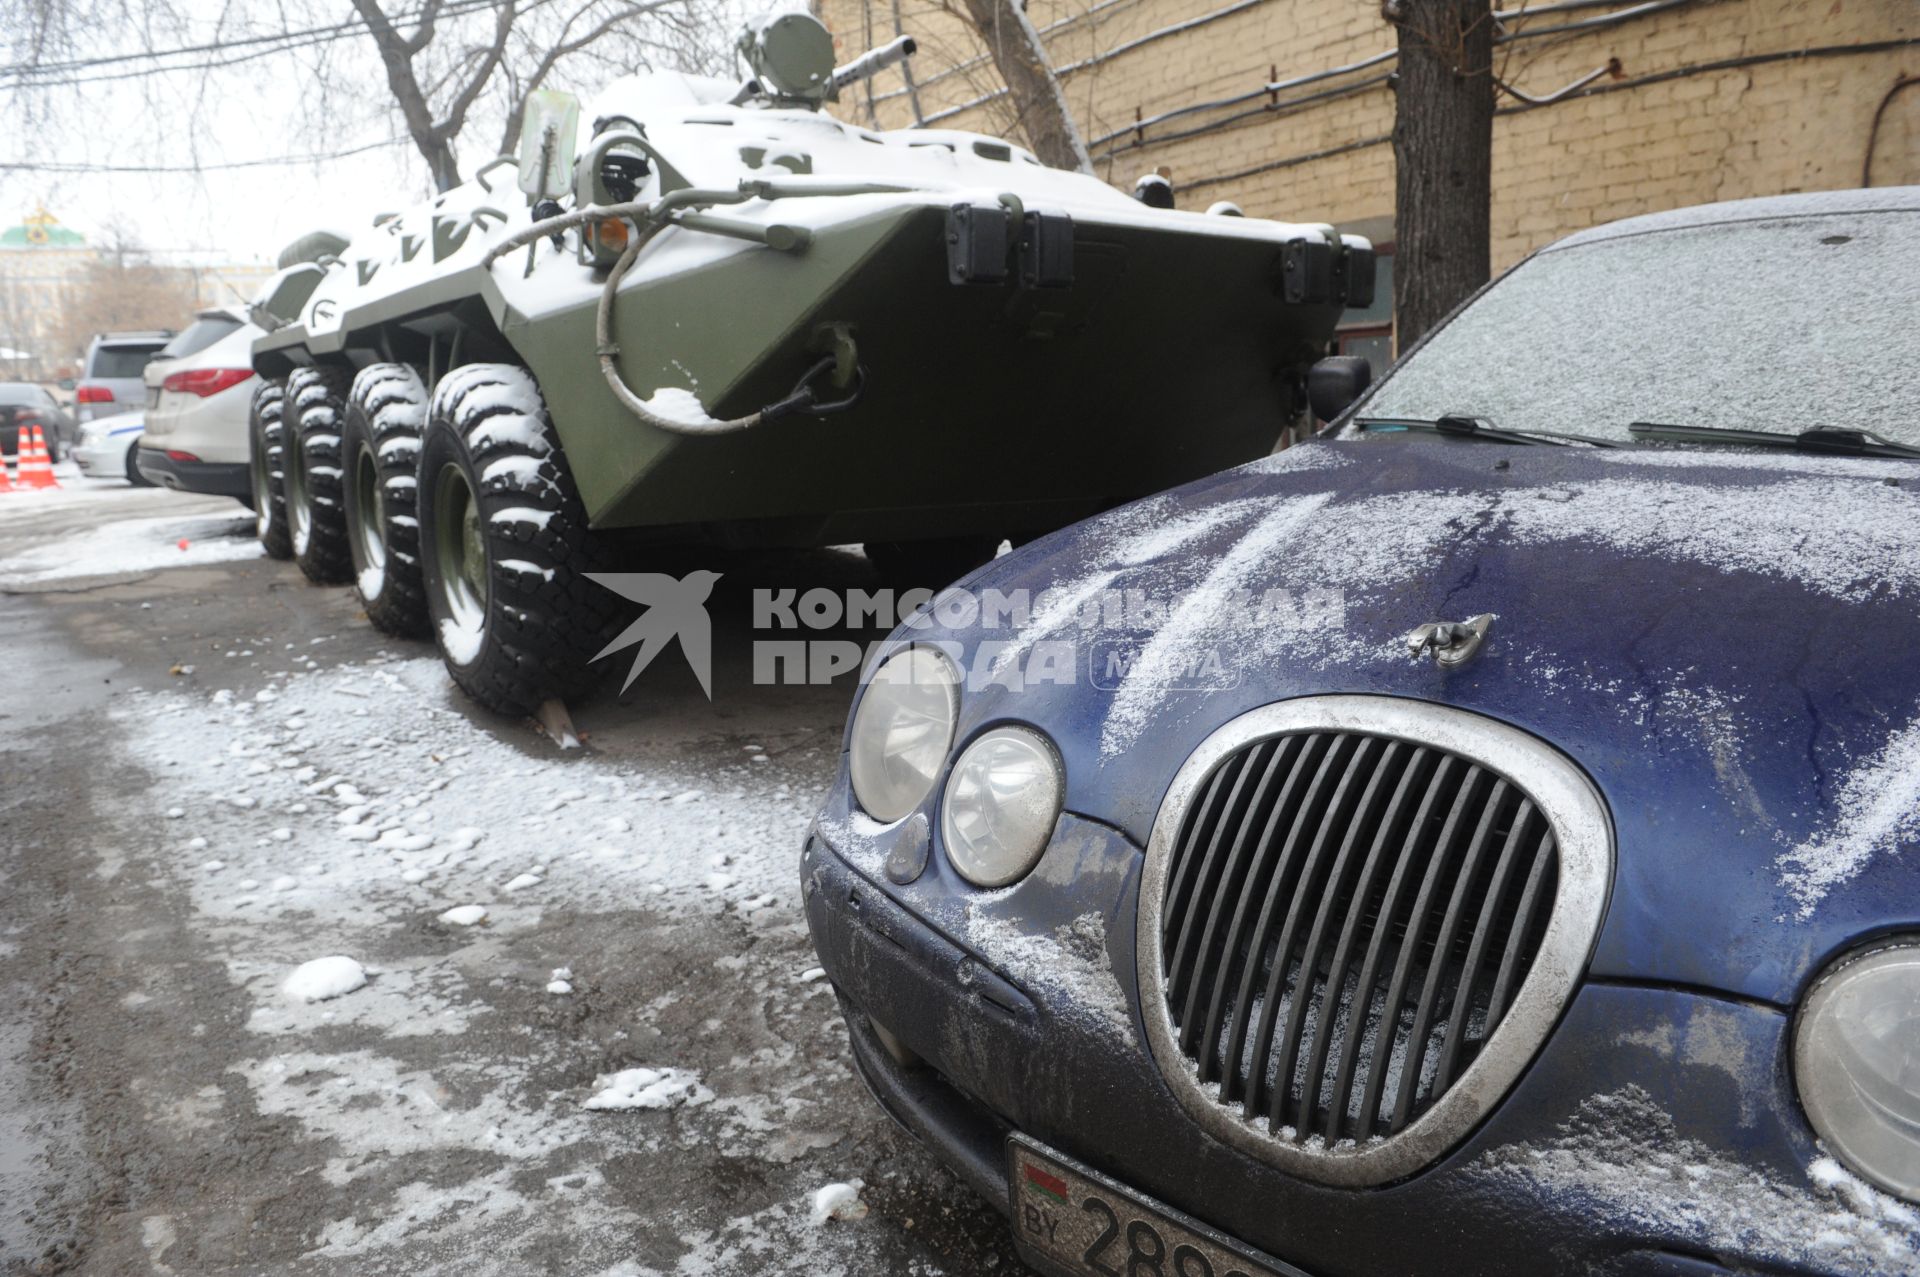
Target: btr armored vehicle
{"points": [[714, 314]]}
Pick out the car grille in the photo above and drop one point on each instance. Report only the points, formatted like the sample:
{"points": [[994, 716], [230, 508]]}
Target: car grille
{"points": [[1347, 914]]}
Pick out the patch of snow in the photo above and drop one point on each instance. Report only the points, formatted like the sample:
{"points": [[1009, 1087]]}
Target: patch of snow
{"points": [[521, 514], [1302, 456], [531, 569], [647, 1089], [324, 978], [1788, 349], [461, 643], [1071, 962], [465, 915], [121, 546], [1621, 1165], [1877, 812], [839, 1201], [1252, 559], [517, 472]]}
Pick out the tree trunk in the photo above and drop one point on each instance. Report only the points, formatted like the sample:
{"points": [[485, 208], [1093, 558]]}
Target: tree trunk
{"points": [[442, 161], [1021, 58], [1443, 155]]}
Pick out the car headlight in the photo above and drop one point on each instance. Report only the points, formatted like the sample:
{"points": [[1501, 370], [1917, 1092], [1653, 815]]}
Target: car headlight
{"points": [[902, 731], [1856, 1057], [1002, 800]]}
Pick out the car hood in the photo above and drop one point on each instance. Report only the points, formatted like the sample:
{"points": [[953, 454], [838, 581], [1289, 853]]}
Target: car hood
{"points": [[1725, 642]]}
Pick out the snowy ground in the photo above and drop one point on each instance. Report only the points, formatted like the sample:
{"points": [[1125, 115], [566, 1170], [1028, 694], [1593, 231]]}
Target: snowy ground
{"points": [[102, 527], [319, 970]]}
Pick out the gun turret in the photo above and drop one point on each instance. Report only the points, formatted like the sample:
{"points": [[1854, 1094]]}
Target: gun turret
{"points": [[872, 63], [792, 59]]}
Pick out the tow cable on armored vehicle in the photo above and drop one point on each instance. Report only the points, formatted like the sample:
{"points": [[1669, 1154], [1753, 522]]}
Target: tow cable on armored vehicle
{"points": [[683, 208]]}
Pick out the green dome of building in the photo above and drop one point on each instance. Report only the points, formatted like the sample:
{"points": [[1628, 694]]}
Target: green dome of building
{"points": [[42, 230]]}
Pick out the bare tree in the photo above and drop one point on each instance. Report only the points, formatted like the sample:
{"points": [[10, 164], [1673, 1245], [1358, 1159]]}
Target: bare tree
{"points": [[439, 66], [1038, 98], [433, 132], [118, 291], [437, 77], [1443, 156]]}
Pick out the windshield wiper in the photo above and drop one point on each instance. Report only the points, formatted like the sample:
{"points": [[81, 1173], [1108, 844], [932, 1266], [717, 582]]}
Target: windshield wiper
{"points": [[1461, 426], [1831, 440]]}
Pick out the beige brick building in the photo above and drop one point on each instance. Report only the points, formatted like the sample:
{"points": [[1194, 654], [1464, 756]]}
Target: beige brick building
{"points": [[1285, 108]]}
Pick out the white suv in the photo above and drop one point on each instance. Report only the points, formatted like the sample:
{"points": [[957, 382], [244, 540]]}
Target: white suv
{"points": [[198, 392]]}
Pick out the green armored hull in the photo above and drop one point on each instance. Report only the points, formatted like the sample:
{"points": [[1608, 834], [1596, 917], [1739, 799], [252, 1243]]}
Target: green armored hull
{"points": [[749, 323]]}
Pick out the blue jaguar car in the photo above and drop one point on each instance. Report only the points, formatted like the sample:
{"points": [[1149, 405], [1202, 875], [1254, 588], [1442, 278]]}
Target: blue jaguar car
{"points": [[1484, 839]]}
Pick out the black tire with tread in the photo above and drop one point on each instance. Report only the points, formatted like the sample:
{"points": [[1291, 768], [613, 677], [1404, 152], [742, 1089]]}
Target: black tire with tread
{"points": [[266, 436], [316, 399], [544, 621], [134, 476], [386, 411]]}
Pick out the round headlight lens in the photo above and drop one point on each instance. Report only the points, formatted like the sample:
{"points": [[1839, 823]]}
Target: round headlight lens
{"points": [[1002, 800], [902, 731], [1856, 1056]]}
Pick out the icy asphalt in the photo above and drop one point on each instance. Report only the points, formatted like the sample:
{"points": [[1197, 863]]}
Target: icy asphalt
{"points": [[212, 772]]}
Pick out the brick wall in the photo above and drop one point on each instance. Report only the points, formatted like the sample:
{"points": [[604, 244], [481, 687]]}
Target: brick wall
{"points": [[1663, 134]]}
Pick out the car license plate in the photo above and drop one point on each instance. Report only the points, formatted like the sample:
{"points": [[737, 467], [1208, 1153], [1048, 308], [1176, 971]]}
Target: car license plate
{"points": [[1076, 1222]]}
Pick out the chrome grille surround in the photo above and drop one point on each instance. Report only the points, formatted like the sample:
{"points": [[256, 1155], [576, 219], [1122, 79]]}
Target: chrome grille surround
{"points": [[1579, 826]]}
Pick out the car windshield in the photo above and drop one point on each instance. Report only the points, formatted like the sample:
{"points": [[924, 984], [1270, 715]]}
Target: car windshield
{"points": [[14, 393], [120, 361], [198, 335], [1778, 325]]}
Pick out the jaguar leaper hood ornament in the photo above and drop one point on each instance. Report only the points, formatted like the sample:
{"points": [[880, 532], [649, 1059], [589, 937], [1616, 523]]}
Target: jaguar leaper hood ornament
{"points": [[1453, 643]]}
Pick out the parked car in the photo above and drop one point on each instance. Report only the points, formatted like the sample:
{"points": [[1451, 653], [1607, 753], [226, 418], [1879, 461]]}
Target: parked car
{"points": [[25, 404], [198, 391], [106, 448], [1448, 846], [110, 381]]}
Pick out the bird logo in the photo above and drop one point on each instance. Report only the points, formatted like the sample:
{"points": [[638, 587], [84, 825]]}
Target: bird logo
{"points": [[676, 607]]}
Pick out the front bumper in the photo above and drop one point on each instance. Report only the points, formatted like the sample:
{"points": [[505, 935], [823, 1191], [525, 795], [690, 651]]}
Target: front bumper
{"points": [[104, 459], [215, 478], [1656, 1132]]}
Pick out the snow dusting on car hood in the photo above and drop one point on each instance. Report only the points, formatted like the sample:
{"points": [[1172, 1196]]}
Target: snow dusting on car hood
{"points": [[1724, 641]]}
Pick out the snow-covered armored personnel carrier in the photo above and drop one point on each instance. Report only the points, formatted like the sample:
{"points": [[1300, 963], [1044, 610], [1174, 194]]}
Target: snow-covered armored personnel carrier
{"points": [[713, 313]]}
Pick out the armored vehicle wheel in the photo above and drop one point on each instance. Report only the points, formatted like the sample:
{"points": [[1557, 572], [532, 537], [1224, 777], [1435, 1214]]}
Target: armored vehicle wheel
{"points": [[933, 563], [316, 399], [504, 545], [266, 450], [380, 443]]}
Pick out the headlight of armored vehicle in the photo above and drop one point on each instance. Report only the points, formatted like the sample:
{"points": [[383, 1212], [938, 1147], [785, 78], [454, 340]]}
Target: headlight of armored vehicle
{"points": [[1001, 802], [1856, 1057], [902, 731]]}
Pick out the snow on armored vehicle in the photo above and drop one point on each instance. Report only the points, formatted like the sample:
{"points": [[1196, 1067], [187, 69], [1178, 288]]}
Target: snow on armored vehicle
{"points": [[723, 316]]}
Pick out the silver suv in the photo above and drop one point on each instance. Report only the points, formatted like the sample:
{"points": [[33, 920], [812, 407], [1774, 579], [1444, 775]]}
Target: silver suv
{"points": [[111, 382]]}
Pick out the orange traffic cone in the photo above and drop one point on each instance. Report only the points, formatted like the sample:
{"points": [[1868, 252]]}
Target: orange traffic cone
{"points": [[36, 470], [6, 485]]}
